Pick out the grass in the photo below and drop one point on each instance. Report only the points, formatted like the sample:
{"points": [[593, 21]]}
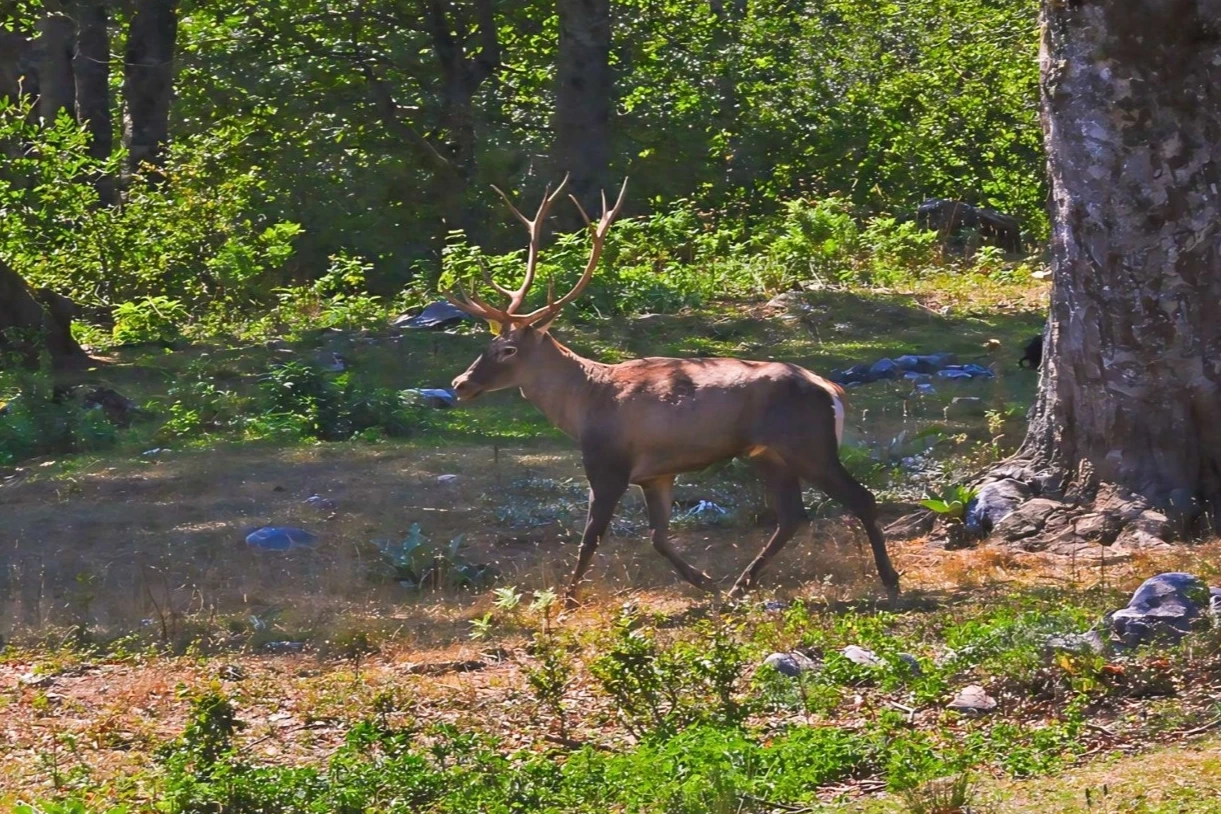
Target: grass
{"points": [[154, 660]]}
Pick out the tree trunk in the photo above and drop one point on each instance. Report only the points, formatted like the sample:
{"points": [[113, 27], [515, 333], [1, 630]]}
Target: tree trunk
{"points": [[18, 75], [56, 45], [32, 321], [91, 66], [148, 82], [1126, 431], [583, 95]]}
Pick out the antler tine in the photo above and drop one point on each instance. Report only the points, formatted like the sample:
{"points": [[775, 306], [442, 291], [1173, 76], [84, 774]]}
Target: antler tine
{"points": [[512, 208], [599, 238], [487, 278], [580, 209], [473, 305], [518, 297]]}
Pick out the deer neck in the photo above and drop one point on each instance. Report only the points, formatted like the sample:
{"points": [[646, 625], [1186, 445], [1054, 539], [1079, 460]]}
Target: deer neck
{"points": [[562, 386]]}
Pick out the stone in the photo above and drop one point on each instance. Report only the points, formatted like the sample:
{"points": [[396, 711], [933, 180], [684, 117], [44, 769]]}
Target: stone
{"points": [[774, 605], [447, 480], [965, 407], [1214, 604], [280, 538], [789, 299], [884, 369], [434, 397], [434, 317], [1165, 607], [913, 664], [232, 672], [1079, 643], [972, 700], [953, 373], [791, 664], [861, 656], [978, 371], [1028, 519], [35, 680], [993, 503], [284, 647], [320, 503], [925, 389]]}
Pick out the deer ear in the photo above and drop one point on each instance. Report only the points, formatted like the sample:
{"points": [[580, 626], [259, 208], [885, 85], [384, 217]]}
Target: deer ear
{"points": [[494, 327]]}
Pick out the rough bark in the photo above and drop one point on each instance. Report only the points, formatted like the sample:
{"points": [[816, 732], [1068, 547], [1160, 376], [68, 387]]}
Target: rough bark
{"points": [[1125, 435], [56, 45], [461, 77], [33, 320], [18, 76], [583, 98], [148, 82], [91, 68]]}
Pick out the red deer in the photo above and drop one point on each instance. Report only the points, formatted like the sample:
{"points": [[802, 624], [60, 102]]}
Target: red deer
{"points": [[645, 421]]}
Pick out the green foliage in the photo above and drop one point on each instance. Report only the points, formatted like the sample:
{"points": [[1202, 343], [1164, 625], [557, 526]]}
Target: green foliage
{"points": [[952, 504], [333, 409], [149, 320], [417, 563], [36, 420]]}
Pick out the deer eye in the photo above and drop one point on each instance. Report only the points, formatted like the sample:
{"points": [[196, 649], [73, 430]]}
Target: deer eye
{"points": [[507, 353]]}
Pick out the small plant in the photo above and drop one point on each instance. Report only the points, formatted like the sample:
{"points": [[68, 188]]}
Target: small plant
{"points": [[550, 679], [150, 320], [949, 795], [952, 504], [417, 563]]}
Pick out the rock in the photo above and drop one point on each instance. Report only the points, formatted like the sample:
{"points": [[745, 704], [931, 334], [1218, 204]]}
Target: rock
{"points": [[857, 374], [118, 409], [35, 680], [955, 221], [232, 672], [789, 299], [448, 479], [861, 656], [953, 373], [706, 508], [972, 700], [284, 647], [1214, 604], [280, 538], [791, 664], [918, 378], [914, 524], [994, 502], [436, 398], [913, 664], [774, 605], [435, 316], [332, 362], [884, 369], [925, 389], [1029, 519], [965, 407], [1165, 607], [978, 371], [320, 503], [1078, 643]]}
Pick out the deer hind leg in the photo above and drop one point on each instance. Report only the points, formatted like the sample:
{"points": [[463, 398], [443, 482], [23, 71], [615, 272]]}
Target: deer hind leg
{"points": [[784, 490], [604, 495], [839, 485], [658, 498]]}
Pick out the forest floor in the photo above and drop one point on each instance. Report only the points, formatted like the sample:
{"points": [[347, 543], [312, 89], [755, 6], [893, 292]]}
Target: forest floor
{"points": [[128, 591]]}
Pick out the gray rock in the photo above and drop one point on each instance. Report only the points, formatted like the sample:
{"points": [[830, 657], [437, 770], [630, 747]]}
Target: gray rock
{"points": [[884, 369], [774, 605], [861, 656], [232, 672], [1078, 643], [434, 317], [994, 502], [320, 503], [448, 479], [978, 371], [791, 664], [35, 680], [925, 389], [1214, 604], [965, 407], [973, 700], [951, 373], [284, 647], [280, 538], [1165, 608]]}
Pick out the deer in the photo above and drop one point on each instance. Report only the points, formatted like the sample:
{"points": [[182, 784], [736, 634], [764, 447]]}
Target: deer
{"points": [[646, 421]]}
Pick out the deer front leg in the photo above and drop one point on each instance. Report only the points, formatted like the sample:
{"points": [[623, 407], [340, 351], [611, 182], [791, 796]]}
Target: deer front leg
{"points": [[784, 489], [658, 496], [604, 495]]}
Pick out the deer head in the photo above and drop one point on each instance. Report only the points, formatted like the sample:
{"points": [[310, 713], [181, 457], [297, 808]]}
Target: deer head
{"points": [[516, 336]]}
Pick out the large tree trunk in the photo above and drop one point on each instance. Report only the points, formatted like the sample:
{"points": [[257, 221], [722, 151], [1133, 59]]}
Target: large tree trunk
{"points": [[148, 81], [18, 74], [32, 321], [1126, 432], [583, 98], [56, 45]]}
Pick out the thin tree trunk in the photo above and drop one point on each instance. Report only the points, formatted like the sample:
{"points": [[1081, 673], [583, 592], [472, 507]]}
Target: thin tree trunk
{"points": [[148, 82], [91, 67], [1127, 424], [583, 98], [56, 44]]}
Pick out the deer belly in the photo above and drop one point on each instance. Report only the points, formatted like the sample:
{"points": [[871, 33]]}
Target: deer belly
{"points": [[672, 457]]}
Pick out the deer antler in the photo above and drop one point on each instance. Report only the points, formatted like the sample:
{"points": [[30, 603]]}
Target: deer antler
{"points": [[598, 231], [471, 304]]}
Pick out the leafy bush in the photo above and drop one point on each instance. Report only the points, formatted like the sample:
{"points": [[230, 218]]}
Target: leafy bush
{"points": [[333, 409], [149, 320], [37, 420]]}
